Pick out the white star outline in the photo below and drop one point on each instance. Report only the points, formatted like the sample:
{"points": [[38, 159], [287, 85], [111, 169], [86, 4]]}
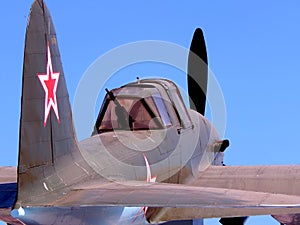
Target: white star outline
{"points": [[50, 101], [150, 179]]}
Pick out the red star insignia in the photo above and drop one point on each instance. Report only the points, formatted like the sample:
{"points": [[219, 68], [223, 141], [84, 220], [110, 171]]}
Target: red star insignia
{"points": [[49, 82], [150, 179]]}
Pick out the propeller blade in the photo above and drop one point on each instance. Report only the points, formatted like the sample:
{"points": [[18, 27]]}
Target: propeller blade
{"points": [[197, 72]]}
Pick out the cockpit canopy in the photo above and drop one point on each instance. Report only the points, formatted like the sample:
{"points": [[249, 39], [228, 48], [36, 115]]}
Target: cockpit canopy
{"points": [[143, 105]]}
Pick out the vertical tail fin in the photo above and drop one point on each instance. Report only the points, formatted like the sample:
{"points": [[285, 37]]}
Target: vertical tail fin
{"points": [[47, 136]]}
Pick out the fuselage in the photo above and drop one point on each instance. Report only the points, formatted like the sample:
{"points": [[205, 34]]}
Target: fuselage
{"points": [[160, 140], [143, 132], [148, 121], [179, 158]]}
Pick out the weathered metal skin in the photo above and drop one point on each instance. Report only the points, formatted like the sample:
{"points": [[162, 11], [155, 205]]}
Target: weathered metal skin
{"points": [[127, 175], [195, 155]]}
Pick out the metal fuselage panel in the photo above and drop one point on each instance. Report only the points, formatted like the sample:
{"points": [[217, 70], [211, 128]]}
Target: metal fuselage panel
{"points": [[119, 155]]}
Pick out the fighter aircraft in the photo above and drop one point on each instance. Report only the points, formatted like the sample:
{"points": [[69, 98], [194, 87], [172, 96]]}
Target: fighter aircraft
{"points": [[150, 158]]}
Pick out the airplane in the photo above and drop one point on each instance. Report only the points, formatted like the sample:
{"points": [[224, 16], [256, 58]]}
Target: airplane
{"points": [[116, 175]]}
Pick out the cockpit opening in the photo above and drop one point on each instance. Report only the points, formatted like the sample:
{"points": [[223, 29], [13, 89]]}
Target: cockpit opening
{"points": [[133, 108]]}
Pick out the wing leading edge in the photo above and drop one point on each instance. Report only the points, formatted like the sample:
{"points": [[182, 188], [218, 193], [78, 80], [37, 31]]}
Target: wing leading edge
{"points": [[179, 202], [270, 179]]}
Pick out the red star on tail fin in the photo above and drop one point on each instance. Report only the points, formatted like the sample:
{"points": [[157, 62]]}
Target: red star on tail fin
{"points": [[49, 82]]}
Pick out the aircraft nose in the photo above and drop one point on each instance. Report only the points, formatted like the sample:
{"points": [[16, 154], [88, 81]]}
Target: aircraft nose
{"points": [[220, 146]]}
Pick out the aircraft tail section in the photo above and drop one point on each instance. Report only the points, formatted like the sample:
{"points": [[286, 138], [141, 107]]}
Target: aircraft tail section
{"points": [[47, 137]]}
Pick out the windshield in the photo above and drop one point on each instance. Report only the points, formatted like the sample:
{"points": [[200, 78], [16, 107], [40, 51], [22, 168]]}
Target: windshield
{"points": [[133, 113]]}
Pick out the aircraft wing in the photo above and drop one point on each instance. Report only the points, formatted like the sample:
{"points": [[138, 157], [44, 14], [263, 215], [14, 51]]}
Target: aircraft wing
{"points": [[283, 179], [8, 191], [8, 188], [179, 201], [8, 174], [216, 194]]}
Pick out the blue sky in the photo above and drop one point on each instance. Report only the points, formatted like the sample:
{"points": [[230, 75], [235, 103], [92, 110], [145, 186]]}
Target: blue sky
{"points": [[253, 50]]}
